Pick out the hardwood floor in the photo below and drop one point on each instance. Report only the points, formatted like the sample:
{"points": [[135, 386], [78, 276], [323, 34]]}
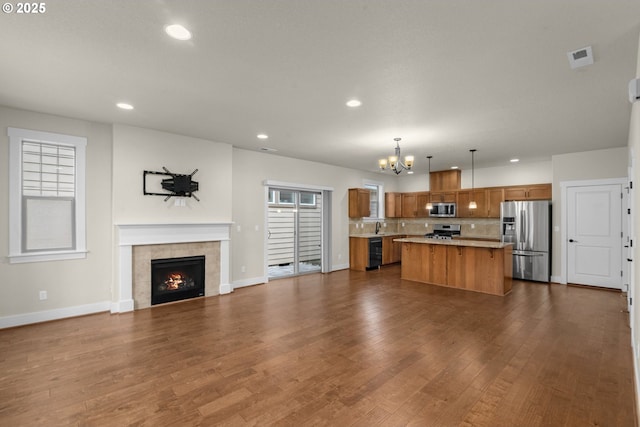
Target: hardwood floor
{"points": [[347, 348]]}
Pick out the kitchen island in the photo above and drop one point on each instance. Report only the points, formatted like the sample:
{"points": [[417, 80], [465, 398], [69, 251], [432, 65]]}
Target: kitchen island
{"points": [[480, 266]]}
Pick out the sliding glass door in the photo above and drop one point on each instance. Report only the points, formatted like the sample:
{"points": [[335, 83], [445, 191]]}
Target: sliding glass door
{"points": [[294, 235]]}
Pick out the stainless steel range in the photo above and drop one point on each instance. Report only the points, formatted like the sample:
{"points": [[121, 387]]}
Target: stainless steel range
{"points": [[444, 231]]}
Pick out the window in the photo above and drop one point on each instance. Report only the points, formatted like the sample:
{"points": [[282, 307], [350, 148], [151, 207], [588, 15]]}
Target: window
{"points": [[282, 197], [376, 199], [47, 213], [307, 199]]}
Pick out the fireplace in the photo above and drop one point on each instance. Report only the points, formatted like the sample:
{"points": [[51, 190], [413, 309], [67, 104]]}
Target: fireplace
{"points": [[175, 279]]}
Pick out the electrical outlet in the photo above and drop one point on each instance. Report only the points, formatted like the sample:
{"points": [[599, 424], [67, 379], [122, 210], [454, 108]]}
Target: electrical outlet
{"points": [[43, 295], [473, 226], [239, 228], [426, 224], [257, 227], [403, 224], [243, 269]]}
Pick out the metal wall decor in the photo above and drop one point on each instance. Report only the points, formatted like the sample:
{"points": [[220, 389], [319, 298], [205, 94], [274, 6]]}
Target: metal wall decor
{"points": [[178, 185]]}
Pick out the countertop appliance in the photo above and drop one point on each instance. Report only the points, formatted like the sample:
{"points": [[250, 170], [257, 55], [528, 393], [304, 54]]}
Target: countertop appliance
{"points": [[528, 226], [444, 231], [443, 210]]}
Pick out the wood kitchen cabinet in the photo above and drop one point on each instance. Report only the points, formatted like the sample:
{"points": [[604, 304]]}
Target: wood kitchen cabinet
{"points": [[409, 205], [391, 251], [445, 180], [495, 196], [422, 198], [359, 203], [443, 196], [358, 253], [528, 192], [427, 263], [480, 197], [487, 199], [393, 205]]}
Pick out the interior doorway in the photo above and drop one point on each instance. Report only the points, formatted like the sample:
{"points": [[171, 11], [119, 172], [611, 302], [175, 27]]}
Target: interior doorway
{"points": [[294, 232], [594, 233]]}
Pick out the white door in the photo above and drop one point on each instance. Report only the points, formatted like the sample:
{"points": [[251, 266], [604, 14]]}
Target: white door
{"points": [[594, 232]]}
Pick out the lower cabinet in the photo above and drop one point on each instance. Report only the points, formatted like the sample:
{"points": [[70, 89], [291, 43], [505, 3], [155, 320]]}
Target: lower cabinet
{"points": [[391, 251], [359, 251]]}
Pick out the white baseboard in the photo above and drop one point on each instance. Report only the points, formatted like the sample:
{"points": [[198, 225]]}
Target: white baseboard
{"points": [[336, 267], [122, 306], [249, 282], [225, 288], [556, 279], [58, 313]]}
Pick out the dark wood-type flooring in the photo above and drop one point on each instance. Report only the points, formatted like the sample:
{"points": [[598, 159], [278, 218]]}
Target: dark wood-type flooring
{"points": [[342, 349]]}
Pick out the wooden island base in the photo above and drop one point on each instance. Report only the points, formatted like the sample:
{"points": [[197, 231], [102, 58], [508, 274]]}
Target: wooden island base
{"points": [[471, 265]]}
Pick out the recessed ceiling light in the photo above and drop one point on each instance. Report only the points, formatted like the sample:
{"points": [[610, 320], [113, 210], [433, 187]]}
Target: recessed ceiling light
{"points": [[262, 136], [514, 160], [124, 106], [353, 103], [178, 32], [454, 167]]}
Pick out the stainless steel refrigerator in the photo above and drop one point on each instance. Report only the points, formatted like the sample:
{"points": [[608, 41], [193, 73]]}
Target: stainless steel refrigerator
{"points": [[528, 226]]}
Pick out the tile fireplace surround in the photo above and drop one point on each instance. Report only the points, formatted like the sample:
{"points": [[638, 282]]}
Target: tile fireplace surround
{"points": [[130, 235]]}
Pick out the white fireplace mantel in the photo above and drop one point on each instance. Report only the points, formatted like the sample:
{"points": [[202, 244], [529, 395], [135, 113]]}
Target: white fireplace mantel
{"points": [[130, 235]]}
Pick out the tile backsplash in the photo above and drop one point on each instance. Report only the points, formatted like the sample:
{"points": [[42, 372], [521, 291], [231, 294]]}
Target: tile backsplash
{"points": [[487, 228]]}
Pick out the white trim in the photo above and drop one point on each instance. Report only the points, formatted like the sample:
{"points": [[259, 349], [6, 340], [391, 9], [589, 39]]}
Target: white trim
{"points": [[555, 279], [130, 235], [55, 314], [249, 282], [16, 136], [337, 267], [294, 186], [564, 186], [47, 256]]}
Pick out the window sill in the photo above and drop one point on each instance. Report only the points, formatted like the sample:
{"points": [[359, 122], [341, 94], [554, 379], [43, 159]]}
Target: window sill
{"points": [[46, 256]]}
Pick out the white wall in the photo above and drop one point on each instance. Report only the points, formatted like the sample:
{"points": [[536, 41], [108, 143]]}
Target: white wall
{"points": [[512, 174], [587, 165], [634, 147], [136, 150], [73, 286], [250, 170]]}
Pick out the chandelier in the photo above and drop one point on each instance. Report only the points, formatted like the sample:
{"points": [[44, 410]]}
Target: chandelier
{"points": [[394, 162]]}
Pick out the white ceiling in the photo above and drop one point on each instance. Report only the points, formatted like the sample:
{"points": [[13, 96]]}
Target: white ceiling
{"points": [[445, 76]]}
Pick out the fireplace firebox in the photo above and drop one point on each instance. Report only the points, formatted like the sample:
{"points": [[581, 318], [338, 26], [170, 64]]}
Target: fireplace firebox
{"points": [[175, 279]]}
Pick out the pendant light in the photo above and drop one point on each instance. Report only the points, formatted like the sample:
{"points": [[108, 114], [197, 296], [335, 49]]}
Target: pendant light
{"points": [[429, 204], [472, 203]]}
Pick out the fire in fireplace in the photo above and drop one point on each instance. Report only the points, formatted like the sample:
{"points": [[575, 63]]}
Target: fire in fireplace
{"points": [[175, 279]]}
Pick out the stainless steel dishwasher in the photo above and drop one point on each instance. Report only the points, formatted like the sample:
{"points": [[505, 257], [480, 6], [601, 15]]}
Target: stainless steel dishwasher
{"points": [[375, 252]]}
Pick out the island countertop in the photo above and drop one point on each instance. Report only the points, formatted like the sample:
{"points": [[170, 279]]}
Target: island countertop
{"points": [[473, 265], [456, 242]]}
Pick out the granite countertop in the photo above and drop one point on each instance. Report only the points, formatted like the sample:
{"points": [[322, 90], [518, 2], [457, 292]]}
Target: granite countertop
{"points": [[370, 235], [461, 242]]}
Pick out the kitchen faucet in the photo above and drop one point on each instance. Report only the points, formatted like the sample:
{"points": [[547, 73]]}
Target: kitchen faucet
{"points": [[377, 226]]}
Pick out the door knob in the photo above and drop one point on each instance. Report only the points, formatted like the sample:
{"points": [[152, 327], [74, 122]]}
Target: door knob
{"points": [[573, 241]]}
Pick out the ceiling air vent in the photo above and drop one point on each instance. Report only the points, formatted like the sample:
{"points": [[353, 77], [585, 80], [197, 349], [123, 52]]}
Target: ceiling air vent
{"points": [[580, 58]]}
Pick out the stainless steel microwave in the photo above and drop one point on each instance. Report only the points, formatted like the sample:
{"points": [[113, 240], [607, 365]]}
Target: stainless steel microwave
{"points": [[443, 210]]}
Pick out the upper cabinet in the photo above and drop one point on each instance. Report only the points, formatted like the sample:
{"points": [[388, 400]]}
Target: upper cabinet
{"points": [[359, 203], [393, 205], [445, 180], [528, 192], [442, 196], [409, 205], [487, 199]]}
